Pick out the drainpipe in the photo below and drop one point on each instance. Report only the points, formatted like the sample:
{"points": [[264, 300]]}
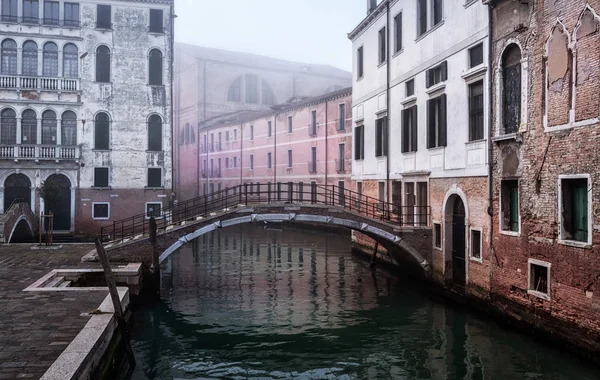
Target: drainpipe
{"points": [[171, 67], [326, 143], [241, 154], [387, 121], [275, 149], [490, 145]]}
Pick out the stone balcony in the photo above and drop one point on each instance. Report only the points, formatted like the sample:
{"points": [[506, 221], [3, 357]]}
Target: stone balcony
{"points": [[36, 153], [28, 83]]}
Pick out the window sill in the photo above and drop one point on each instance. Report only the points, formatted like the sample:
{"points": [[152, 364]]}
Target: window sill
{"points": [[100, 218], [476, 142], [101, 188], [398, 53], [541, 295], [381, 64], [156, 85], [155, 33], [101, 29], [475, 73], [476, 259], [510, 233], [436, 89], [155, 151], [469, 3], [505, 137], [359, 79], [409, 100], [576, 244], [96, 82], [154, 187], [431, 30], [101, 150], [434, 148]]}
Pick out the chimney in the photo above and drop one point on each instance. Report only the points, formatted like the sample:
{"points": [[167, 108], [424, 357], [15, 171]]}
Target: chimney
{"points": [[371, 4]]}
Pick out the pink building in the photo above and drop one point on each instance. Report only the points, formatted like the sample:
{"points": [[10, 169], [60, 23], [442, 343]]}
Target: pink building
{"points": [[305, 141]]}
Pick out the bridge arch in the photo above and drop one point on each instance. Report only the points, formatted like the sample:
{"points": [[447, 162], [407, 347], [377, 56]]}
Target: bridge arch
{"points": [[16, 186], [393, 244], [21, 223]]}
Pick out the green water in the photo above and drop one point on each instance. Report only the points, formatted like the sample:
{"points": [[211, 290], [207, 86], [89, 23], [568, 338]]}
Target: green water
{"points": [[255, 303]]}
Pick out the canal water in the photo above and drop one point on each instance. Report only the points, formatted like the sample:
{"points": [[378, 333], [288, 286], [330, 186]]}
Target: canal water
{"points": [[269, 302]]}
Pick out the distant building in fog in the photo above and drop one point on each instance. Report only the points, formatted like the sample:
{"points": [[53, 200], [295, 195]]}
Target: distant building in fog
{"points": [[212, 82]]}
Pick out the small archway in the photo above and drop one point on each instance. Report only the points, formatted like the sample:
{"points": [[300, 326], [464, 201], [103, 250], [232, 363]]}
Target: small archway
{"points": [[455, 240], [16, 186], [60, 205]]}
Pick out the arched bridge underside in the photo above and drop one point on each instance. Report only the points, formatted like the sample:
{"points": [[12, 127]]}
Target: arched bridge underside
{"points": [[18, 222], [397, 241]]}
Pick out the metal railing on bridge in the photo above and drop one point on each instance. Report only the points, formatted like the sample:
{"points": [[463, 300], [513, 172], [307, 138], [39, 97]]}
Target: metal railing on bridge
{"points": [[271, 193]]}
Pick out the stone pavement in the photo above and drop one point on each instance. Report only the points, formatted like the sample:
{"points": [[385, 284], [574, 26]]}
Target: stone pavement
{"points": [[35, 327]]}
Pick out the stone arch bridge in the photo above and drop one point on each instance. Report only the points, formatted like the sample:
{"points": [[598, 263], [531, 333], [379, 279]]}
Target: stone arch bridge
{"points": [[404, 240], [18, 220]]}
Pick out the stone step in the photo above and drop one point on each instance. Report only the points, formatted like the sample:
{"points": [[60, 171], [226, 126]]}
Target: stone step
{"points": [[65, 284], [55, 282]]}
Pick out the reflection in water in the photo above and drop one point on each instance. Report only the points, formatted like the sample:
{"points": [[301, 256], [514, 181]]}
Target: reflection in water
{"points": [[253, 303]]}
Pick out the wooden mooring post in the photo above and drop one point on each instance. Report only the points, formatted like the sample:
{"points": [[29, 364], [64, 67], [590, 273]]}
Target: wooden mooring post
{"points": [[155, 269], [114, 295]]}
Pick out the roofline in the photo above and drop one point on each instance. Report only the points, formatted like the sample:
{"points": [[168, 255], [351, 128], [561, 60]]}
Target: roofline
{"points": [[369, 19], [286, 108]]}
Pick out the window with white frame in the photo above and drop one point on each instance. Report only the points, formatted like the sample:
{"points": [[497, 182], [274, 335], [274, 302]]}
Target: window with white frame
{"points": [[382, 45], [100, 210], [539, 278], [476, 55], [476, 241], [575, 201], [153, 209], [509, 205], [341, 124], [289, 159], [437, 235], [429, 14]]}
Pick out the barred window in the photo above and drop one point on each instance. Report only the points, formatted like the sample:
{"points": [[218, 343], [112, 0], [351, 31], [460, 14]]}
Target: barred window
{"points": [[50, 64], [103, 64], [70, 61], [9, 57], [155, 63], [30, 58], [155, 133], [49, 128], [29, 127], [68, 128], [101, 131], [8, 127]]}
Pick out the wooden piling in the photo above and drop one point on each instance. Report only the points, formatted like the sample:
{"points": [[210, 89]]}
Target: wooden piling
{"points": [[155, 268]]}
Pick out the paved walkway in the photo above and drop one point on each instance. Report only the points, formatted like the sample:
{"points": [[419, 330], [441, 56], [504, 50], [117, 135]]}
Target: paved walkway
{"points": [[35, 327]]}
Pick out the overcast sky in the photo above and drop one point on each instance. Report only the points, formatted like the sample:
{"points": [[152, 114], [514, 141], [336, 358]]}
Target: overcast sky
{"points": [[309, 31]]}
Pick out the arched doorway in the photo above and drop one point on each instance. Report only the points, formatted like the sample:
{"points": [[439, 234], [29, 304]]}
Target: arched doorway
{"points": [[16, 186], [457, 240], [59, 201]]}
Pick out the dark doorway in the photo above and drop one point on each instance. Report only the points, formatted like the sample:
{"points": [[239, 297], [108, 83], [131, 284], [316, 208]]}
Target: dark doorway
{"points": [[16, 186], [61, 206], [458, 242]]}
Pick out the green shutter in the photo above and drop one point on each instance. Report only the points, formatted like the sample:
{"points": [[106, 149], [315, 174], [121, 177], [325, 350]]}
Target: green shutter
{"points": [[514, 207], [579, 222]]}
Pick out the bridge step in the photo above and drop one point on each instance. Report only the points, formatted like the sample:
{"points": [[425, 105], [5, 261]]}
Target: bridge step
{"points": [[54, 282], [65, 284], [137, 237]]}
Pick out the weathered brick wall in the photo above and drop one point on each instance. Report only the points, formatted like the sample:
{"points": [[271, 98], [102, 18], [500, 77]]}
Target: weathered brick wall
{"points": [[537, 160]]}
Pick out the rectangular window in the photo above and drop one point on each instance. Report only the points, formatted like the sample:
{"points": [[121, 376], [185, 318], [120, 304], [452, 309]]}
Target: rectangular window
{"points": [[359, 142], [153, 210], [290, 162], [398, 33], [359, 193], [269, 160], [156, 21], [312, 164], [436, 122], [219, 168], [251, 162], [421, 17], [252, 132], [154, 177], [359, 63], [437, 74], [226, 136], [71, 14], [341, 160], [220, 146], [100, 210], [341, 124], [476, 56], [509, 193], [100, 177], [380, 138], [381, 195], [437, 11], [10, 11], [31, 11], [235, 162], [574, 202], [476, 244], [204, 169], [476, 111], [382, 45], [313, 191], [313, 123], [103, 17], [51, 12], [234, 134], [300, 192], [410, 88], [269, 129], [205, 146], [212, 167], [226, 162], [212, 142], [539, 278], [290, 124], [437, 232], [409, 130]]}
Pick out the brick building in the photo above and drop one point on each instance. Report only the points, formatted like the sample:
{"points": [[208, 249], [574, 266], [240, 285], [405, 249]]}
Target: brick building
{"points": [[546, 124], [420, 90], [212, 82], [85, 91], [307, 141]]}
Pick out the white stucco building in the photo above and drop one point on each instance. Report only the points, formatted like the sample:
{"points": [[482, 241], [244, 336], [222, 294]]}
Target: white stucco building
{"points": [[420, 95], [85, 102]]}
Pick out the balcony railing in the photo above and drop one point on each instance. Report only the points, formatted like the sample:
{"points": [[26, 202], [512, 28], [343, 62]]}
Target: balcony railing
{"points": [[20, 82], [39, 152], [29, 20]]}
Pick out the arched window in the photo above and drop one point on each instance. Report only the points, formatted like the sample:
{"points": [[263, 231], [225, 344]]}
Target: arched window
{"points": [[511, 89], [268, 98], [30, 58], [8, 127], [68, 128], [9, 57], [235, 91], [29, 127], [70, 61], [49, 128], [101, 131], [181, 137], [155, 64], [155, 133], [50, 60], [251, 89], [103, 64]]}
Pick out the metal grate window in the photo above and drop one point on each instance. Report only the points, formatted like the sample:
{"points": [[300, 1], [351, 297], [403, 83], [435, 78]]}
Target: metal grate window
{"points": [[49, 128], [30, 58], [9, 57], [8, 127], [68, 128]]}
